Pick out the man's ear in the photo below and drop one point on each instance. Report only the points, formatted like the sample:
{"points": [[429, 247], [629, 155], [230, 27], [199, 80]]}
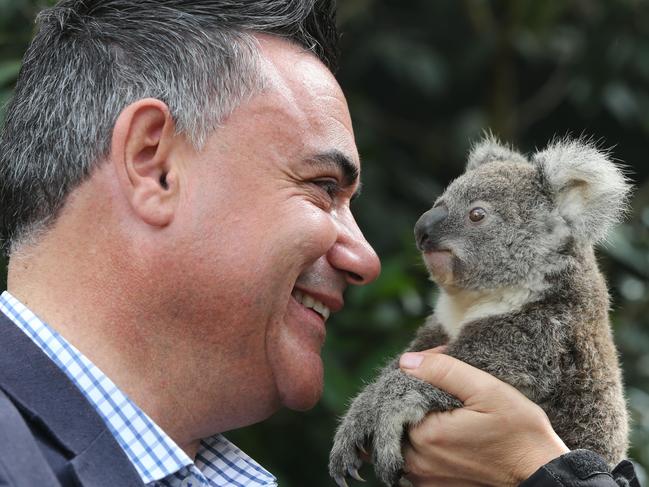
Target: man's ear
{"points": [[142, 152]]}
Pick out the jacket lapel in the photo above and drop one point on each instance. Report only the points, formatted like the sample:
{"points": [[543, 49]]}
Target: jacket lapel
{"points": [[47, 396], [99, 466], [26, 461]]}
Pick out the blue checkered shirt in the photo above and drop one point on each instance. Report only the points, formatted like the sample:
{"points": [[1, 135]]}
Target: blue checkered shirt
{"points": [[156, 457]]}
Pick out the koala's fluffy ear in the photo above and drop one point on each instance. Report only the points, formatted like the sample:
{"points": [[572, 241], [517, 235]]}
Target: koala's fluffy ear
{"points": [[590, 190], [489, 149]]}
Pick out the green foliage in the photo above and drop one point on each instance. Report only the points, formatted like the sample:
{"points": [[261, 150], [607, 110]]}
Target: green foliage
{"points": [[423, 80]]}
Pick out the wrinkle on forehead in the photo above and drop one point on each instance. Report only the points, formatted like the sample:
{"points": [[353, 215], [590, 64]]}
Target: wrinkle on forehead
{"points": [[293, 73], [301, 110]]}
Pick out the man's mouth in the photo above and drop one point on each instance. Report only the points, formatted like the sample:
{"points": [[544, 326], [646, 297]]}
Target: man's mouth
{"points": [[308, 302]]}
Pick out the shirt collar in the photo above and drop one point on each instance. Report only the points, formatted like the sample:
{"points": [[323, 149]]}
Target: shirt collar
{"points": [[152, 452]]}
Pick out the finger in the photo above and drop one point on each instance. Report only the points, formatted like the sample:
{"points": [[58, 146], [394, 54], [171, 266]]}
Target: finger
{"points": [[450, 374], [439, 349], [418, 464], [423, 471]]}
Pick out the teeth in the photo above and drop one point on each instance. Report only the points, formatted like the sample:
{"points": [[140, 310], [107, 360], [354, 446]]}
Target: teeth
{"points": [[322, 309], [308, 302]]}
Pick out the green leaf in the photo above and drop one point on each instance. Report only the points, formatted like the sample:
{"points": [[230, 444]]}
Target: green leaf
{"points": [[9, 71]]}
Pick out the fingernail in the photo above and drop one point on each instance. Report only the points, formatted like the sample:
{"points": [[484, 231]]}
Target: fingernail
{"points": [[411, 360]]}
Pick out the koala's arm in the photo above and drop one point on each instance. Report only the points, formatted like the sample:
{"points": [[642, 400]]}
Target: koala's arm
{"points": [[377, 417]]}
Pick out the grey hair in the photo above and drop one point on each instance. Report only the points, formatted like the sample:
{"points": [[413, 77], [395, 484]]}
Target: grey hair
{"points": [[91, 58]]}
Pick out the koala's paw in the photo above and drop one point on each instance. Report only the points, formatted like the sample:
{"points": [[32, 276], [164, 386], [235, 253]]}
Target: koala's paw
{"points": [[393, 422], [345, 457], [378, 420]]}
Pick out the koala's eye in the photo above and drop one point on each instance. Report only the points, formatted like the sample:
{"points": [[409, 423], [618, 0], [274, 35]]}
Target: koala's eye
{"points": [[477, 214]]}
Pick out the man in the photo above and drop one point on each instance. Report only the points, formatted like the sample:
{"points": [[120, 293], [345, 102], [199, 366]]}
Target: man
{"points": [[175, 181], [175, 195]]}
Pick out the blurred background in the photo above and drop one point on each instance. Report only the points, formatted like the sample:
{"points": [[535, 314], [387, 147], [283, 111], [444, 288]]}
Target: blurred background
{"points": [[424, 79]]}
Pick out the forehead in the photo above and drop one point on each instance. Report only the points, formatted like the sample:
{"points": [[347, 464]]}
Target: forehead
{"points": [[496, 181], [304, 99]]}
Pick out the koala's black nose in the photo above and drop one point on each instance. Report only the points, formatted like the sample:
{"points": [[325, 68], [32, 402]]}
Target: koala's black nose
{"points": [[425, 227]]}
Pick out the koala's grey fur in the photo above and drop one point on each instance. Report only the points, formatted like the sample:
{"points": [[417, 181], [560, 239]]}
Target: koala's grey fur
{"points": [[522, 299]]}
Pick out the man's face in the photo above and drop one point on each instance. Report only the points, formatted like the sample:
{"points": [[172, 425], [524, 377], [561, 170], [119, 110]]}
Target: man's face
{"points": [[272, 241]]}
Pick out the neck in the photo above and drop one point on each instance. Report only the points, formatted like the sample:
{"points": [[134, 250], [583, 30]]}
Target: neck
{"points": [[93, 314], [130, 336]]}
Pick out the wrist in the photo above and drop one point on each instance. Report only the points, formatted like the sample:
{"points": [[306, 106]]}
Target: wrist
{"points": [[541, 454]]}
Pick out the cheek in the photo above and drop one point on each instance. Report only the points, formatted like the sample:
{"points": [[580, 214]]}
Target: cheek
{"points": [[312, 231], [473, 262]]}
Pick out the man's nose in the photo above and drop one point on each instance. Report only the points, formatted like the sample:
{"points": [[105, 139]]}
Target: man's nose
{"points": [[426, 227], [353, 255]]}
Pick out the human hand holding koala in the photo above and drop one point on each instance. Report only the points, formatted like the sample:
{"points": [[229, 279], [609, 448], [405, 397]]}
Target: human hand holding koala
{"points": [[510, 244], [499, 437]]}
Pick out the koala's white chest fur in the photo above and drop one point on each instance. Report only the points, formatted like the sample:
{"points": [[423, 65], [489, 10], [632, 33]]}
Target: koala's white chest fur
{"points": [[453, 311]]}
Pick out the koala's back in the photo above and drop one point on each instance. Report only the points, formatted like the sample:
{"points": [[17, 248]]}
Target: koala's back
{"points": [[588, 407], [559, 351]]}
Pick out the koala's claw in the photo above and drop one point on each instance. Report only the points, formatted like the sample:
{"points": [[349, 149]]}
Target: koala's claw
{"points": [[353, 473], [341, 481], [345, 462], [346, 457]]}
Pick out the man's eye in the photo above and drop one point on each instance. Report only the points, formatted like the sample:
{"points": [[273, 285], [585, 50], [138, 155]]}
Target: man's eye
{"points": [[331, 187]]}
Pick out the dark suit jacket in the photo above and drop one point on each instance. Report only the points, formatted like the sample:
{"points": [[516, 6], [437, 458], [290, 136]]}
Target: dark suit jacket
{"points": [[49, 434]]}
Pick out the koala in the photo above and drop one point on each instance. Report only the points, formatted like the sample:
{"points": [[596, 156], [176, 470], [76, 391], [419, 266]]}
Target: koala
{"points": [[510, 245]]}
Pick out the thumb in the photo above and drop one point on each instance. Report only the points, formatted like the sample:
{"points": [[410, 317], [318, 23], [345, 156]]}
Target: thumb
{"points": [[458, 378]]}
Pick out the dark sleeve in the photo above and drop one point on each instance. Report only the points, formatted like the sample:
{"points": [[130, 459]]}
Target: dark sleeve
{"points": [[582, 468]]}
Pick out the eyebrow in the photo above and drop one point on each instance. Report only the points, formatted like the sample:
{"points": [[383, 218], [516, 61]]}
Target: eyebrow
{"points": [[342, 163]]}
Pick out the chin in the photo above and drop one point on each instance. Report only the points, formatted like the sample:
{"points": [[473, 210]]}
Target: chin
{"points": [[302, 400], [300, 386], [442, 279]]}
